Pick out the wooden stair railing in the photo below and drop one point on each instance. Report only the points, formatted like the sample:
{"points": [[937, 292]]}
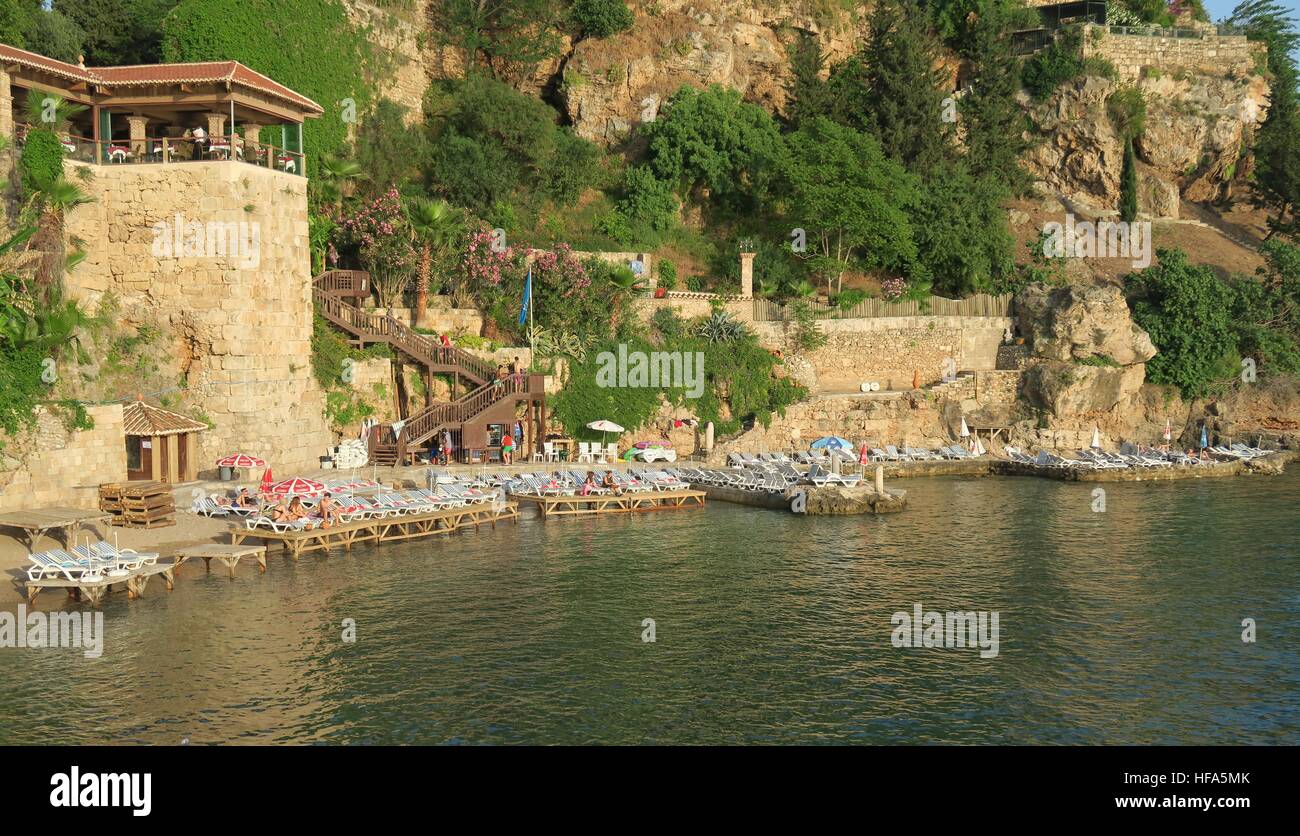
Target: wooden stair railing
{"points": [[424, 424], [329, 290]]}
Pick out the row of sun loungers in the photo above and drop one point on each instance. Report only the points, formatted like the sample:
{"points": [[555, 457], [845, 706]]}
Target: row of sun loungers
{"points": [[88, 562], [570, 482], [1103, 460]]}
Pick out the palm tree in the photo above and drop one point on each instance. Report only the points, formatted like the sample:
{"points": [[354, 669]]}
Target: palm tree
{"points": [[51, 112], [625, 285], [332, 177], [52, 201], [436, 226]]}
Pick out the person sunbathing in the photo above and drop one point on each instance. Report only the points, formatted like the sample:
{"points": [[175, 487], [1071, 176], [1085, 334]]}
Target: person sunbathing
{"points": [[589, 484], [609, 482], [329, 511], [281, 512], [296, 510], [244, 499]]}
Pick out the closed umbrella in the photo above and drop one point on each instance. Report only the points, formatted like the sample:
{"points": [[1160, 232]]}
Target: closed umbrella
{"points": [[1205, 441], [1096, 438], [267, 481], [965, 430], [1169, 433]]}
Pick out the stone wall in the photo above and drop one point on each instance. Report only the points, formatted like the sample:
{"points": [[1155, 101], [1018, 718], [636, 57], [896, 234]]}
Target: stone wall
{"points": [[889, 350], [1217, 55], [443, 320], [239, 323], [52, 466]]}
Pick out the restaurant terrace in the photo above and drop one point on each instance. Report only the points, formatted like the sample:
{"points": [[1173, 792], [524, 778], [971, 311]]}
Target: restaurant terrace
{"points": [[160, 113]]}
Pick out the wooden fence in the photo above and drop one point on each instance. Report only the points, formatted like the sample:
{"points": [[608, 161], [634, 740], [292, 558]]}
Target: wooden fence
{"points": [[981, 304]]}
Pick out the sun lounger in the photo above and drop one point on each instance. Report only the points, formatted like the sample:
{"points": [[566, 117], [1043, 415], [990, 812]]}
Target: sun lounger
{"points": [[57, 562]]}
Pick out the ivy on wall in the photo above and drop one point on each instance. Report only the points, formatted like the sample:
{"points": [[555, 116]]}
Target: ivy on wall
{"points": [[306, 45]]}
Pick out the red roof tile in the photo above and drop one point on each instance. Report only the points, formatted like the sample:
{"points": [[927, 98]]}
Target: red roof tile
{"points": [[204, 72]]}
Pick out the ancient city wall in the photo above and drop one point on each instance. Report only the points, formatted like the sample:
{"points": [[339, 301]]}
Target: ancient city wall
{"points": [[1217, 55], [237, 325], [55, 467]]}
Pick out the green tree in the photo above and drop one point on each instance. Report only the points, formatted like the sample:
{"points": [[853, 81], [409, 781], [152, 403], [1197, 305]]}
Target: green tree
{"points": [[387, 150], [893, 88], [507, 37], [438, 228], [1276, 176], [807, 93], [1187, 310], [118, 31], [962, 240], [1128, 184], [849, 197], [712, 139], [994, 122], [600, 18]]}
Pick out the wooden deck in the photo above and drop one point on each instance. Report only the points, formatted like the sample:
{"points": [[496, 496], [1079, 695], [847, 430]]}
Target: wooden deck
{"points": [[94, 591], [38, 521], [383, 530], [627, 503], [227, 554]]}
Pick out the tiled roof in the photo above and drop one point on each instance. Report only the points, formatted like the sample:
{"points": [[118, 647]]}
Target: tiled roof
{"points": [[139, 418], [204, 72]]}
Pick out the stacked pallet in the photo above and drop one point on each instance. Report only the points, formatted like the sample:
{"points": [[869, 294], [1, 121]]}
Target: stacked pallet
{"points": [[138, 504]]}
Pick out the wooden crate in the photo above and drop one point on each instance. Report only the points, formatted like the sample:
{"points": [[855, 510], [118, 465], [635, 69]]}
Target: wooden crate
{"points": [[138, 504]]}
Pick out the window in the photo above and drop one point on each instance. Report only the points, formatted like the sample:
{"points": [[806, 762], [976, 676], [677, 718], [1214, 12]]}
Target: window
{"points": [[134, 458]]}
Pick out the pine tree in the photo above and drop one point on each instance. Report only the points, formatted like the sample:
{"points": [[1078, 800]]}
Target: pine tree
{"points": [[892, 88], [993, 121], [807, 94], [1128, 184]]}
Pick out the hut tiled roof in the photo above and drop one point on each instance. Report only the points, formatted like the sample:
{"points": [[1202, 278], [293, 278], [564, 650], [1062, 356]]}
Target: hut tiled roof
{"points": [[228, 72], [141, 419]]}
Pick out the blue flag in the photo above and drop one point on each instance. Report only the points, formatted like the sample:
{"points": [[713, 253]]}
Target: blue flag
{"points": [[528, 296]]}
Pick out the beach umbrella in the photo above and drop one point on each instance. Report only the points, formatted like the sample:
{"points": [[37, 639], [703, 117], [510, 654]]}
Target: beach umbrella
{"points": [[1096, 438], [1205, 441], [832, 442], [267, 481], [1169, 433], [965, 430], [240, 460], [297, 487], [604, 427]]}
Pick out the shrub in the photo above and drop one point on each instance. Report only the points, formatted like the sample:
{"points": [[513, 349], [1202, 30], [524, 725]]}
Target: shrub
{"points": [[42, 158], [600, 18], [1054, 66], [667, 274]]}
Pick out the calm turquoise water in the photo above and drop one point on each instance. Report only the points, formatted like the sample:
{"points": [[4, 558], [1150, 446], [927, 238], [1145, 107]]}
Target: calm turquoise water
{"points": [[1116, 627]]}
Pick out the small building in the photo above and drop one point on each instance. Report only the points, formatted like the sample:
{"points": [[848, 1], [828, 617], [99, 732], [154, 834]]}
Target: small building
{"points": [[161, 446]]}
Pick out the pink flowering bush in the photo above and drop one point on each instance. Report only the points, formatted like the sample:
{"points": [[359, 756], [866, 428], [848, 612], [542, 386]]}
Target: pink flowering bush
{"points": [[379, 235], [893, 289]]}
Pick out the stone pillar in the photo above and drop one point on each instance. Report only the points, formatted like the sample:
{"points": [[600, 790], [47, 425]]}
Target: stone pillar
{"points": [[139, 134], [216, 126], [6, 106], [747, 275], [252, 147]]}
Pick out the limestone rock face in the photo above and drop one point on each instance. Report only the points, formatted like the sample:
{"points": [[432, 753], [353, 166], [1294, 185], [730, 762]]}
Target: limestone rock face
{"points": [[1066, 389], [836, 500], [609, 85], [1196, 126], [1077, 322]]}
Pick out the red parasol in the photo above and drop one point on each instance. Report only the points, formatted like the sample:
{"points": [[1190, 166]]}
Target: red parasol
{"points": [[297, 487], [267, 481], [240, 460]]}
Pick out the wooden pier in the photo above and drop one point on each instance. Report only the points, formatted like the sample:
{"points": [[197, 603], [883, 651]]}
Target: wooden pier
{"points": [[381, 530], [626, 503], [227, 554], [93, 590]]}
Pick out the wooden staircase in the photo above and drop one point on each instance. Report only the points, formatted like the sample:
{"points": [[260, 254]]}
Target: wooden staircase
{"points": [[466, 417]]}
